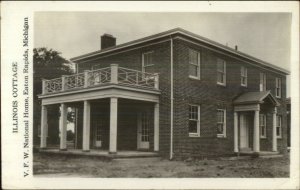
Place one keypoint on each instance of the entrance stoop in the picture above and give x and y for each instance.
(100, 154)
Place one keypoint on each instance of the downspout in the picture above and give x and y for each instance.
(172, 102)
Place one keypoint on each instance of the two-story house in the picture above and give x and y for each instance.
(175, 93)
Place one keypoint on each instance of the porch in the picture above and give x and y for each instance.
(115, 109)
(251, 111)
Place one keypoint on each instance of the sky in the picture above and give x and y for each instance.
(266, 36)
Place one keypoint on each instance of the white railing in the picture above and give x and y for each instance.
(133, 77)
(109, 75)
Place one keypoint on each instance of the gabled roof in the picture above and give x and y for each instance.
(183, 33)
(255, 98)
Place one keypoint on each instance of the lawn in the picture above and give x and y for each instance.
(62, 166)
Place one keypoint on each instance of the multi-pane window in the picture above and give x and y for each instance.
(278, 127)
(147, 61)
(221, 123)
(278, 87)
(262, 82)
(194, 120)
(221, 72)
(98, 134)
(145, 127)
(243, 76)
(262, 125)
(194, 64)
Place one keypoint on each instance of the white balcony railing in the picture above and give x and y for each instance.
(109, 75)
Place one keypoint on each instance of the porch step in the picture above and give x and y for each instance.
(101, 154)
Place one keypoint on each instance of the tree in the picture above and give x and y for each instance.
(47, 64)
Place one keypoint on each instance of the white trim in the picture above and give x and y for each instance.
(224, 124)
(198, 122)
(223, 72)
(245, 72)
(283, 73)
(143, 60)
(264, 124)
(278, 85)
(279, 125)
(105, 93)
(263, 79)
(172, 98)
(198, 65)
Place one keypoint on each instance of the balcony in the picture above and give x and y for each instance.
(89, 79)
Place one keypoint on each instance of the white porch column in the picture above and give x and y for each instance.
(86, 126)
(156, 127)
(274, 136)
(113, 125)
(63, 126)
(44, 127)
(256, 132)
(236, 148)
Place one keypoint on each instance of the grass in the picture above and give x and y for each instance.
(56, 166)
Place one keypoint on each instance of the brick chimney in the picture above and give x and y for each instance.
(107, 41)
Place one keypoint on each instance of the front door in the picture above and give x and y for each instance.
(244, 131)
(143, 130)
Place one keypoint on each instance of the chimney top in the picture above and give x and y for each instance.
(236, 48)
(107, 41)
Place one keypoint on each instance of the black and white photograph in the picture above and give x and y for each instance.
(179, 94)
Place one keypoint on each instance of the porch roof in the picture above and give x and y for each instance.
(256, 97)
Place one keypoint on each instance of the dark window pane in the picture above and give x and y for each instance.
(220, 128)
(192, 126)
(193, 70)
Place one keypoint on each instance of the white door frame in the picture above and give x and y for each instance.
(244, 131)
(143, 141)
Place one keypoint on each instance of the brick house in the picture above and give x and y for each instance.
(175, 93)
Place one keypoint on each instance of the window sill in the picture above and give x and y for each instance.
(263, 137)
(243, 85)
(193, 77)
(221, 84)
(194, 135)
(221, 136)
(278, 137)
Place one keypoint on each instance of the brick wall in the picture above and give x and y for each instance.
(210, 96)
(204, 92)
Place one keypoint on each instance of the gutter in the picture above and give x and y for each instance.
(172, 102)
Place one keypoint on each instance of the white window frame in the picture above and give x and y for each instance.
(197, 65)
(223, 135)
(278, 86)
(279, 125)
(198, 122)
(262, 82)
(244, 75)
(223, 72)
(143, 60)
(264, 124)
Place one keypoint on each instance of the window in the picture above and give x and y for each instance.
(221, 72)
(194, 64)
(147, 61)
(194, 121)
(278, 127)
(278, 87)
(243, 76)
(262, 82)
(262, 126)
(221, 123)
